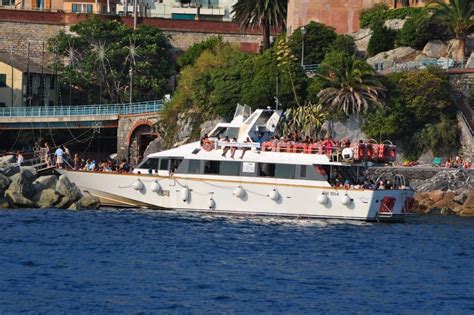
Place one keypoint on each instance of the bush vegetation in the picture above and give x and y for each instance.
(382, 39)
(381, 12)
(419, 114)
(420, 29)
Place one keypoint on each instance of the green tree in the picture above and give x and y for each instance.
(382, 39)
(96, 61)
(190, 56)
(418, 114)
(267, 14)
(343, 43)
(419, 29)
(317, 40)
(458, 17)
(353, 88)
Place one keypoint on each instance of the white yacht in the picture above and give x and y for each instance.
(261, 178)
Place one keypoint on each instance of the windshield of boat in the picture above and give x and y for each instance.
(230, 132)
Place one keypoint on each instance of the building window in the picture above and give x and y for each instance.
(2, 104)
(3, 80)
(81, 8)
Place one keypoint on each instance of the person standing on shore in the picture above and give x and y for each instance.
(19, 158)
(59, 154)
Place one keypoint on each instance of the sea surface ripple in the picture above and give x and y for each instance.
(136, 261)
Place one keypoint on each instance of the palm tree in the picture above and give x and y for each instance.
(353, 87)
(457, 16)
(266, 14)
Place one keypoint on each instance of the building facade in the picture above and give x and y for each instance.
(25, 83)
(209, 10)
(343, 15)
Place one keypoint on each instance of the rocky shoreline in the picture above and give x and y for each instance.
(439, 191)
(21, 187)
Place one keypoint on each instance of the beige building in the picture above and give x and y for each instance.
(343, 15)
(25, 83)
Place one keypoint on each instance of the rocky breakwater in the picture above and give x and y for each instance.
(438, 190)
(21, 187)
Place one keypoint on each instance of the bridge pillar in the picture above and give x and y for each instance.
(134, 132)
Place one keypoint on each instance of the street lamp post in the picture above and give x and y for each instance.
(303, 32)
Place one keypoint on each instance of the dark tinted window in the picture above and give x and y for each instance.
(174, 164)
(211, 167)
(194, 167)
(164, 164)
(266, 169)
(303, 171)
(285, 171)
(230, 168)
(151, 163)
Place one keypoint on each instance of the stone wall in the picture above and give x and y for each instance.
(20, 28)
(18, 36)
(128, 132)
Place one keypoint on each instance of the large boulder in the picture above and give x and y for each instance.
(470, 61)
(392, 57)
(68, 189)
(435, 49)
(4, 182)
(348, 129)
(22, 184)
(361, 39)
(7, 160)
(88, 202)
(4, 204)
(29, 172)
(64, 202)
(16, 199)
(47, 198)
(157, 145)
(11, 170)
(395, 24)
(453, 48)
(45, 182)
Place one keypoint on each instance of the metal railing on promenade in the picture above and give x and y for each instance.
(82, 110)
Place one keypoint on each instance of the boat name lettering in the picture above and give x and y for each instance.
(330, 193)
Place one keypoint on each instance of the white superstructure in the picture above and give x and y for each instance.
(196, 177)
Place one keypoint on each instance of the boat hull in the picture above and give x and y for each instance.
(235, 195)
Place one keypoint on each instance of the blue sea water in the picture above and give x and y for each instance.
(135, 261)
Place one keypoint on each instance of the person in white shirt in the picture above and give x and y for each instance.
(59, 153)
(19, 158)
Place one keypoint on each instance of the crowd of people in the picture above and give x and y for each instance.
(109, 165)
(458, 162)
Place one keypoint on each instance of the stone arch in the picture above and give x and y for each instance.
(138, 137)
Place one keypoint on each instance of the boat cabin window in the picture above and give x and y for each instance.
(164, 163)
(174, 164)
(285, 171)
(211, 167)
(149, 164)
(230, 168)
(230, 132)
(266, 169)
(194, 167)
(302, 171)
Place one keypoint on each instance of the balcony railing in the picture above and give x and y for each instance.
(82, 110)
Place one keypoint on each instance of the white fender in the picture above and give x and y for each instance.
(239, 192)
(274, 195)
(185, 194)
(345, 200)
(155, 187)
(322, 199)
(137, 185)
(211, 204)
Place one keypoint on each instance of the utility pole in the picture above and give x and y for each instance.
(130, 72)
(134, 14)
(13, 82)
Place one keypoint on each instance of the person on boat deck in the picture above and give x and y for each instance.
(226, 148)
(245, 149)
(59, 153)
(233, 148)
(91, 166)
(204, 138)
(328, 145)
